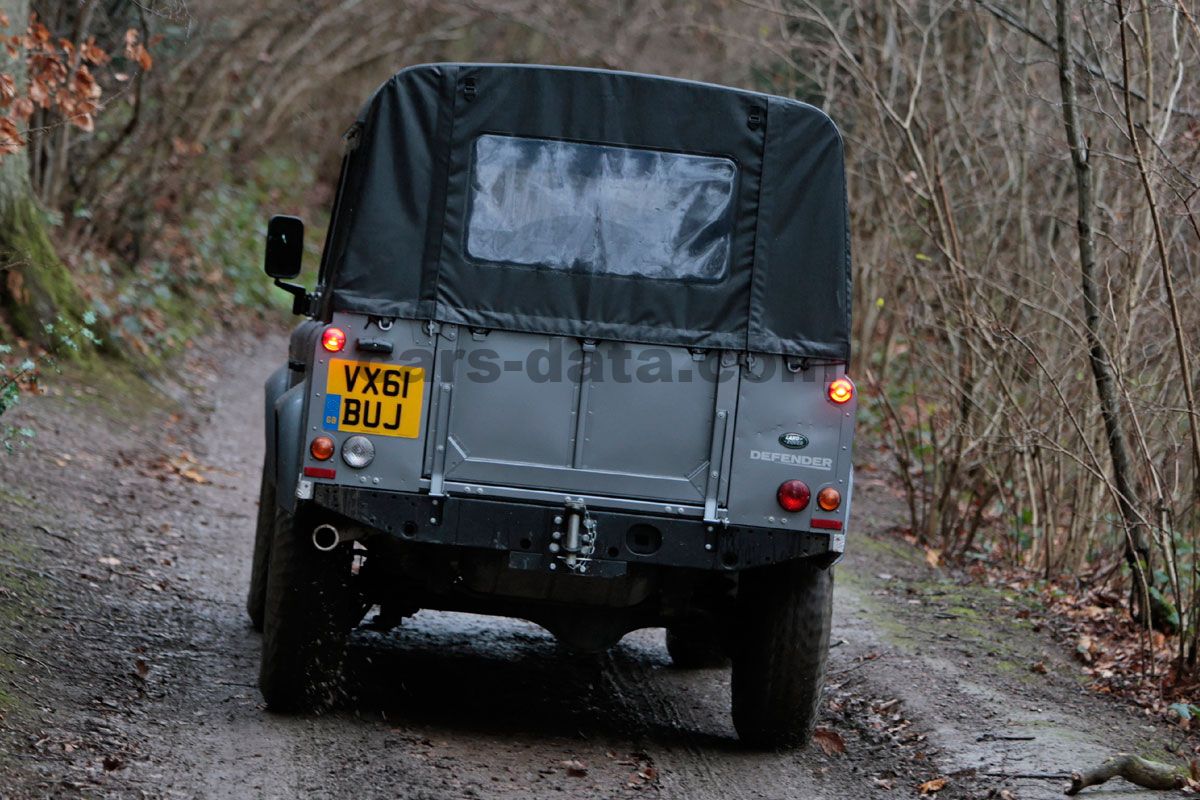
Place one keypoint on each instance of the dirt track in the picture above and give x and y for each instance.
(130, 668)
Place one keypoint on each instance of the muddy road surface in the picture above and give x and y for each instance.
(129, 668)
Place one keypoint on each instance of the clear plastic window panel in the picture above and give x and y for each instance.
(600, 209)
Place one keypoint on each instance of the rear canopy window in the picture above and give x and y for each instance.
(600, 209)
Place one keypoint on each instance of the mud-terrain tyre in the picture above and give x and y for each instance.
(690, 648)
(264, 531)
(781, 646)
(307, 617)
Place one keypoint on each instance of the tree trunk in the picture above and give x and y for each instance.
(35, 286)
(14, 168)
(1137, 551)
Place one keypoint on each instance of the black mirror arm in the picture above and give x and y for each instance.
(303, 301)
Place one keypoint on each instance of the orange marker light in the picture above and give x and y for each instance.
(321, 448)
(333, 340)
(841, 391)
(829, 498)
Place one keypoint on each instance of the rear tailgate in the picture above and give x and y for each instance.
(556, 413)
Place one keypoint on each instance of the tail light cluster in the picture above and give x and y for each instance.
(794, 495)
(357, 451)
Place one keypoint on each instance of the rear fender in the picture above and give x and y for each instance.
(276, 385)
(289, 440)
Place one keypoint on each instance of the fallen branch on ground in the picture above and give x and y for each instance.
(1140, 771)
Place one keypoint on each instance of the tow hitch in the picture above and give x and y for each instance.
(575, 548)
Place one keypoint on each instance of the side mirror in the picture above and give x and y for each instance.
(285, 247)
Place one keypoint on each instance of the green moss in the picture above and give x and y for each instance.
(43, 287)
(9, 498)
(118, 389)
(40, 289)
(888, 549)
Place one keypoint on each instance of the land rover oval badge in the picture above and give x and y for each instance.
(795, 441)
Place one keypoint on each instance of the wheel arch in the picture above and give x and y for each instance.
(287, 428)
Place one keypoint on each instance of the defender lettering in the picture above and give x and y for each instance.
(813, 462)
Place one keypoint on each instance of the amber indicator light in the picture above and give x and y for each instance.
(321, 448)
(829, 499)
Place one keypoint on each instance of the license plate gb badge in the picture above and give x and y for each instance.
(366, 397)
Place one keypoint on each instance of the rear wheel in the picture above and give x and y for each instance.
(263, 533)
(782, 643)
(307, 617)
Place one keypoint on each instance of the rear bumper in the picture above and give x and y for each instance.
(525, 531)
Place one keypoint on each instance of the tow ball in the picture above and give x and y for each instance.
(574, 547)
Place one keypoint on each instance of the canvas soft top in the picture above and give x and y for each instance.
(502, 196)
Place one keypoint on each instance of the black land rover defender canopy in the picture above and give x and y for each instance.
(595, 204)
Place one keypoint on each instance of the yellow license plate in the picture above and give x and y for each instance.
(366, 397)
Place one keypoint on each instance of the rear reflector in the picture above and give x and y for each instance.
(827, 524)
(321, 472)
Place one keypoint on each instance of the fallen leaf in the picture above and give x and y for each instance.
(109, 561)
(576, 769)
(830, 742)
(1039, 667)
(193, 476)
(933, 786)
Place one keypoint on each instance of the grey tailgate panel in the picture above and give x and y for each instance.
(510, 414)
(520, 427)
(646, 425)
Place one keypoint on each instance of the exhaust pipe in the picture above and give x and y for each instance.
(325, 537)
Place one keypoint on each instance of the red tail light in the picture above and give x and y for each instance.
(793, 495)
(333, 340)
(841, 391)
